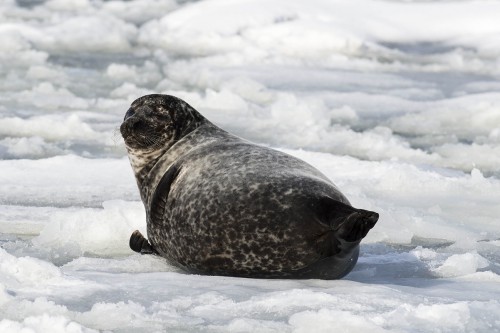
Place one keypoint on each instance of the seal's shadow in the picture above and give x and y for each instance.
(383, 263)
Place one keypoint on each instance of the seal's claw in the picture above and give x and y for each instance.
(139, 243)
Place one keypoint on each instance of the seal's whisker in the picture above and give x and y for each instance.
(149, 142)
(152, 139)
(117, 136)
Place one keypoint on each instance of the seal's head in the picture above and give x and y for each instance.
(153, 123)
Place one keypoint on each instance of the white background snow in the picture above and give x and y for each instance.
(398, 102)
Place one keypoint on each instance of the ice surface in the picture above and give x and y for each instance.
(396, 101)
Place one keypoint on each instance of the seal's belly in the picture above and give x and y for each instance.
(241, 224)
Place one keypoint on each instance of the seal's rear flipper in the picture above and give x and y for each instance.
(139, 243)
(349, 224)
(356, 226)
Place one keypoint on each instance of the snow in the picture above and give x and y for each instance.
(396, 102)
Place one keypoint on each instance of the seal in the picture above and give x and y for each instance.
(220, 205)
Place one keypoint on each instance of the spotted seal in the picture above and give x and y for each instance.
(220, 205)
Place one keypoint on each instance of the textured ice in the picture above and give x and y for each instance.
(397, 102)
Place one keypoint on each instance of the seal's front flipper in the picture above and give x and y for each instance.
(139, 243)
(356, 226)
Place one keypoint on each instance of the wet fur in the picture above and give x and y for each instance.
(217, 204)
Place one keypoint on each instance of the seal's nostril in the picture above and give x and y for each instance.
(136, 125)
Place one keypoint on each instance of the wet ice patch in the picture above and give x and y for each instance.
(17, 51)
(131, 264)
(64, 181)
(27, 271)
(43, 323)
(449, 317)
(92, 231)
(462, 264)
(148, 74)
(50, 127)
(28, 147)
(112, 316)
(139, 11)
(61, 5)
(327, 320)
(46, 96)
(67, 35)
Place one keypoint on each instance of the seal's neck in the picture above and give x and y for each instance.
(142, 162)
(151, 175)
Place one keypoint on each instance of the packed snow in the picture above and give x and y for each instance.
(397, 102)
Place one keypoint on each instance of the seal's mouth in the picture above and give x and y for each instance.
(133, 121)
(125, 128)
(128, 127)
(138, 134)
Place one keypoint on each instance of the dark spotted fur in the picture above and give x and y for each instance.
(217, 204)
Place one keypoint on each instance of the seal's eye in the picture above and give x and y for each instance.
(129, 113)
